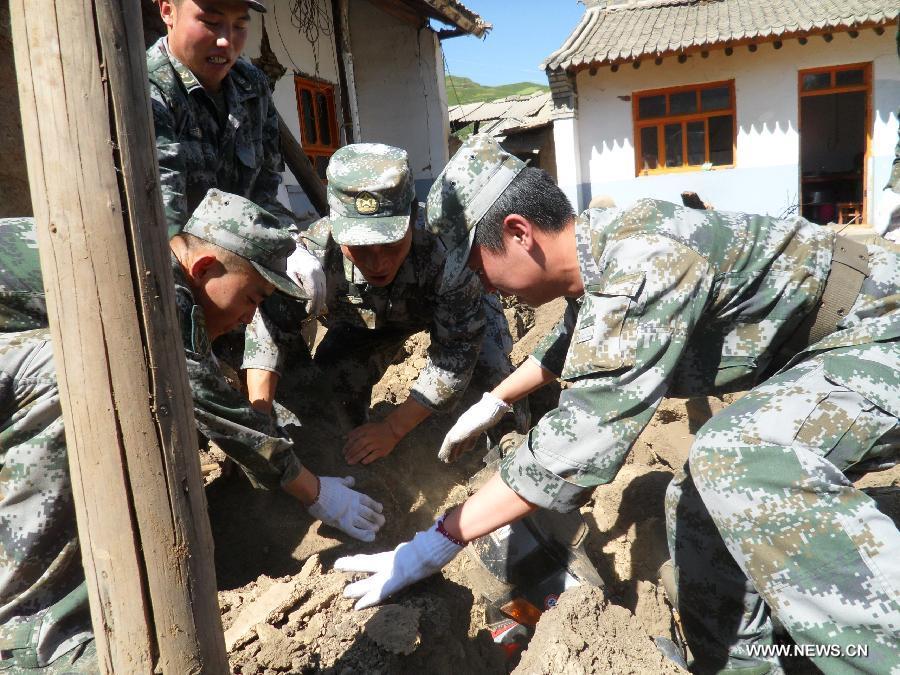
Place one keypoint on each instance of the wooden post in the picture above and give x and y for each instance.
(141, 510)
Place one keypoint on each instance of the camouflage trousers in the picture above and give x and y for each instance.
(765, 520)
(45, 623)
(353, 359)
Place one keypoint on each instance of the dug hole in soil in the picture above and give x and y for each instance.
(282, 605)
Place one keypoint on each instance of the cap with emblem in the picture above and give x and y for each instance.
(468, 186)
(371, 193)
(240, 226)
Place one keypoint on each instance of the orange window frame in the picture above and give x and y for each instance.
(834, 88)
(684, 119)
(312, 125)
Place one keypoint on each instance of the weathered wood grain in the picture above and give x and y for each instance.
(142, 523)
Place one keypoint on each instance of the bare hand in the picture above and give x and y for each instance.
(370, 442)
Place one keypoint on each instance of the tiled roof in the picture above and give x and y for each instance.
(641, 28)
(505, 115)
(456, 13)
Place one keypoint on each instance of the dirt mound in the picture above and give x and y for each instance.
(302, 623)
(585, 633)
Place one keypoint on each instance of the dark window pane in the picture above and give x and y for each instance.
(649, 148)
(324, 119)
(721, 140)
(651, 106)
(310, 137)
(717, 98)
(813, 81)
(683, 102)
(696, 142)
(844, 78)
(674, 147)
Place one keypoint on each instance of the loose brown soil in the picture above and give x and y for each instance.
(282, 606)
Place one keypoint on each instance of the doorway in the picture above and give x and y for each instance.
(834, 139)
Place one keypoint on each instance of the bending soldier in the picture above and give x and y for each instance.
(387, 278)
(667, 300)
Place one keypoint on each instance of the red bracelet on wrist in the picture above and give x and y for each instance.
(440, 528)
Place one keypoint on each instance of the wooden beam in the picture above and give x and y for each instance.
(141, 510)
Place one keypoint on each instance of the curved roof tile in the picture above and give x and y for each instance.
(651, 27)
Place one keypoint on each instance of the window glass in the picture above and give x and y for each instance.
(651, 106)
(845, 78)
(310, 136)
(721, 140)
(649, 148)
(715, 98)
(324, 118)
(813, 81)
(674, 145)
(683, 102)
(696, 142)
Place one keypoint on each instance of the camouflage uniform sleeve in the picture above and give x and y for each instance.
(315, 239)
(633, 325)
(172, 177)
(456, 332)
(550, 354)
(224, 415)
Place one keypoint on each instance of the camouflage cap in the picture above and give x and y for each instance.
(371, 193)
(240, 226)
(468, 186)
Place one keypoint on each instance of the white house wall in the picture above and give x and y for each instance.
(295, 53)
(766, 176)
(399, 87)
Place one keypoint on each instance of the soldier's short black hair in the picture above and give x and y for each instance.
(532, 194)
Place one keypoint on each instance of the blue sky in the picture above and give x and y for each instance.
(524, 33)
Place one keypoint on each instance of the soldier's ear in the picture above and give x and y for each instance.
(518, 231)
(205, 267)
(167, 12)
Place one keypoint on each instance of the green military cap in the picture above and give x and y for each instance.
(468, 186)
(370, 192)
(240, 226)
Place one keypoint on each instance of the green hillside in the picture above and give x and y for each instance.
(464, 90)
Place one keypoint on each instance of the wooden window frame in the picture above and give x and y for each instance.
(316, 87)
(865, 87)
(660, 122)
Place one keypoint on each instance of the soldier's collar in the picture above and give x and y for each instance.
(586, 243)
(235, 85)
(188, 79)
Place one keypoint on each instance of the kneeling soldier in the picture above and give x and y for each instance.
(230, 255)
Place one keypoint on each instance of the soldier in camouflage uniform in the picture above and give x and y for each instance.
(386, 281)
(217, 127)
(216, 124)
(669, 300)
(229, 256)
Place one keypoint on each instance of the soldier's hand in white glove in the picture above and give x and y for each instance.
(464, 434)
(348, 510)
(394, 570)
(305, 269)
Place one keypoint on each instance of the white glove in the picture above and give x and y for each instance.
(348, 510)
(305, 269)
(464, 434)
(393, 570)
